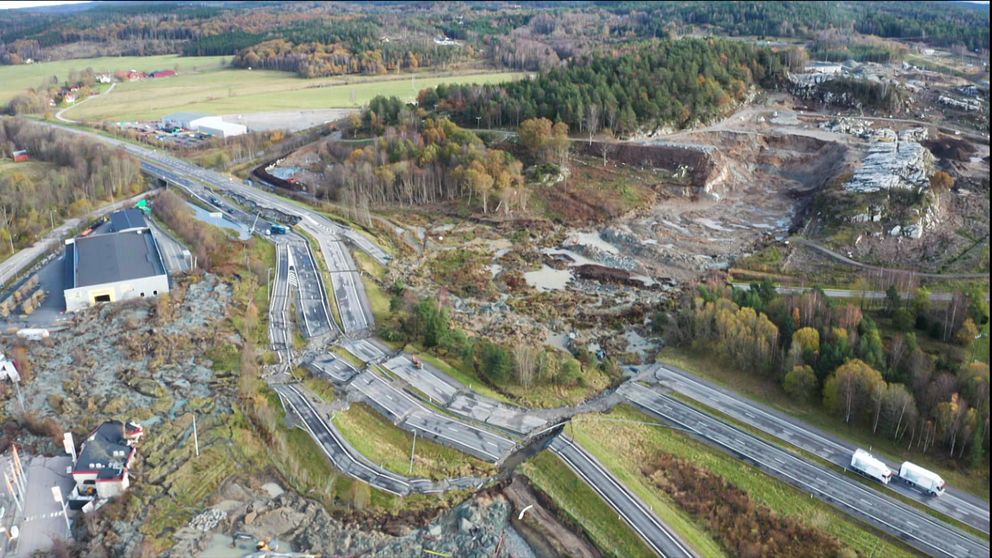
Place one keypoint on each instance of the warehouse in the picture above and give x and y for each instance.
(214, 126)
(181, 119)
(113, 267)
(127, 220)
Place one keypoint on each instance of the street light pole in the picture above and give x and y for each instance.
(57, 494)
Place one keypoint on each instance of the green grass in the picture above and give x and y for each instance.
(627, 446)
(581, 506)
(369, 265)
(233, 91)
(16, 79)
(768, 392)
(378, 298)
(382, 442)
(628, 470)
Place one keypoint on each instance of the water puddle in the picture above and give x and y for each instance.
(548, 279)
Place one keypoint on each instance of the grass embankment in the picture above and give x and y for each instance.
(17, 79)
(582, 509)
(871, 483)
(768, 392)
(382, 442)
(626, 448)
(219, 90)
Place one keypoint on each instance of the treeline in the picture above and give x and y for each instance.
(663, 84)
(937, 23)
(426, 323)
(211, 246)
(315, 59)
(419, 161)
(827, 351)
(80, 175)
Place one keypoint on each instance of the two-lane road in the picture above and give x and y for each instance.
(638, 515)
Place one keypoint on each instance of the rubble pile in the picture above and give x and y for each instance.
(208, 520)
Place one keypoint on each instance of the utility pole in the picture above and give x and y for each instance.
(196, 439)
(51, 218)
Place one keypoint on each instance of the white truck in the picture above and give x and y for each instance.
(866, 464)
(927, 481)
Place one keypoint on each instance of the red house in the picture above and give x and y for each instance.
(21, 156)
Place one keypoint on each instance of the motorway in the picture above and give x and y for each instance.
(913, 526)
(953, 503)
(353, 463)
(620, 498)
(917, 528)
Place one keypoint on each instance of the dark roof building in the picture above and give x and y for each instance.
(106, 457)
(114, 266)
(127, 219)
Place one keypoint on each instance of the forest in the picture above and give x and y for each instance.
(535, 36)
(418, 161)
(661, 84)
(903, 371)
(81, 174)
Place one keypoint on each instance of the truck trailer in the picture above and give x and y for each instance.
(866, 464)
(927, 481)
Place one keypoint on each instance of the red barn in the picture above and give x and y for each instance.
(21, 156)
(163, 73)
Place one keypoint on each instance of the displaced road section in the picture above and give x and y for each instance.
(913, 526)
(658, 536)
(353, 463)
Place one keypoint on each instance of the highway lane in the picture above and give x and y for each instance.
(280, 323)
(638, 515)
(337, 369)
(410, 415)
(913, 526)
(336, 448)
(953, 503)
(348, 293)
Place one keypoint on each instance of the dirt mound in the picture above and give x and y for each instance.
(953, 149)
(670, 157)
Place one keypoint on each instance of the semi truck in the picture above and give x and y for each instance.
(866, 464)
(927, 481)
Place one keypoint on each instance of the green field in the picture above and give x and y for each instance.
(217, 90)
(16, 79)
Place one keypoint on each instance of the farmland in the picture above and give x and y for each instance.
(16, 79)
(232, 91)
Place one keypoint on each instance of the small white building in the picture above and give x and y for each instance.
(826, 68)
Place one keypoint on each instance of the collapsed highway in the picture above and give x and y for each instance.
(867, 503)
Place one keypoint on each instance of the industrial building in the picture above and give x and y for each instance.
(115, 266)
(181, 119)
(205, 124)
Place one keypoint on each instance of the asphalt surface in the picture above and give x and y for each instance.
(953, 503)
(620, 498)
(410, 415)
(177, 259)
(353, 463)
(280, 322)
(909, 524)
